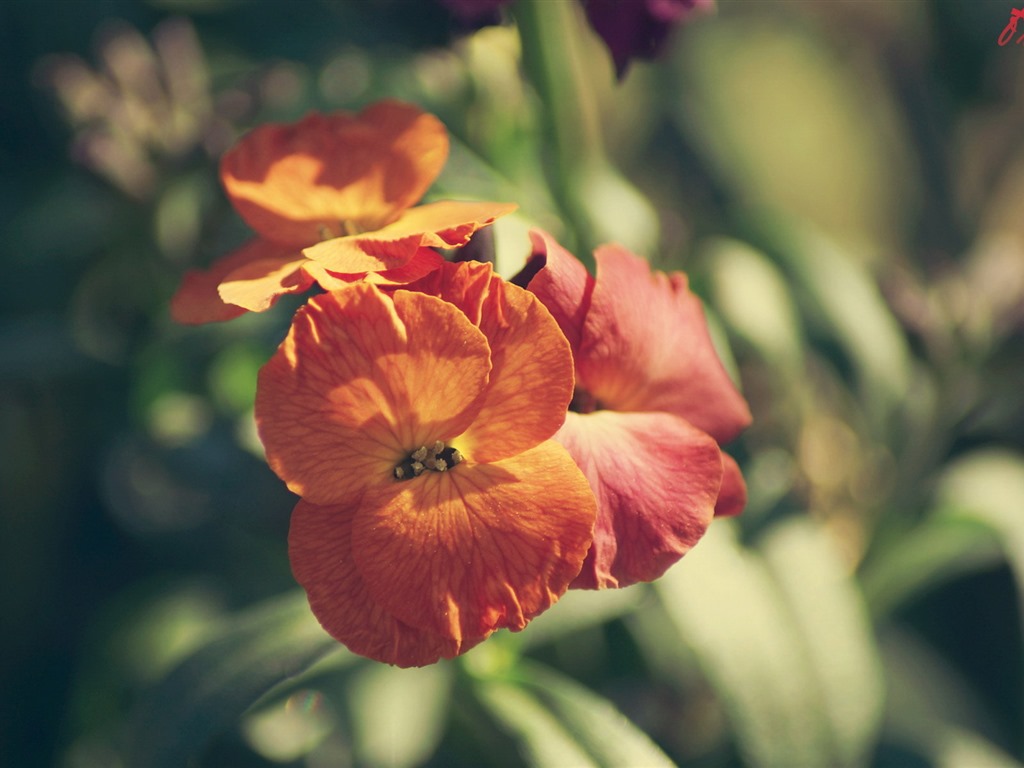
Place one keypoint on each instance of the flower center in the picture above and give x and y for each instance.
(437, 458)
(584, 402)
(343, 228)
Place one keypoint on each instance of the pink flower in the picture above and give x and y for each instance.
(653, 403)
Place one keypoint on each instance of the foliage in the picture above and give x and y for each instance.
(844, 186)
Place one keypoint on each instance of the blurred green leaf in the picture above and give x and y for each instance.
(399, 715)
(835, 630)
(211, 688)
(725, 604)
(988, 486)
(939, 550)
(542, 741)
(933, 710)
(580, 609)
(794, 124)
(840, 294)
(753, 297)
(558, 722)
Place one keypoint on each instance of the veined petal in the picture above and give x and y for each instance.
(293, 182)
(198, 301)
(361, 380)
(256, 286)
(446, 224)
(425, 261)
(561, 282)
(646, 347)
(320, 550)
(531, 380)
(732, 497)
(477, 548)
(656, 478)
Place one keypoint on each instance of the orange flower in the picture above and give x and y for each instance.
(329, 198)
(435, 509)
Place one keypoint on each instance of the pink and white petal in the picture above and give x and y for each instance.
(646, 347)
(561, 282)
(479, 547)
(656, 478)
(320, 550)
(732, 498)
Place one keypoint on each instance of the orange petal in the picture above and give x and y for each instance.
(425, 261)
(259, 284)
(656, 479)
(320, 550)
(198, 300)
(293, 182)
(477, 548)
(447, 224)
(361, 381)
(531, 366)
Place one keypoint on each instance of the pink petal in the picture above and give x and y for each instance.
(733, 496)
(646, 347)
(561, 282)
(656, 478)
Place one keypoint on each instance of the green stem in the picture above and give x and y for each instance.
(551, 47)
(596, 203)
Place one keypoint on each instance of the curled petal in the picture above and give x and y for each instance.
(477, 548)
(732, 498)
(446, 224)
(561, 282)
(423, 262)
(198, 300)
(361, 380)
(531, 380)
(656, 478)
(292, 183)
(646, 347)
(256, 286)
(320, 549)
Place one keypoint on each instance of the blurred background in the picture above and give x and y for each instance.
(844, 183)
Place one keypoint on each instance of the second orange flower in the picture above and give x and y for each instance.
(331, 201)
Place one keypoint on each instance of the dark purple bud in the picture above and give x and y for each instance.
(638, 28)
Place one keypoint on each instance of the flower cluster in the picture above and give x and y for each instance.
(465, 448)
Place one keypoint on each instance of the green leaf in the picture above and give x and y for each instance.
(836, 633)
(580, 609)
(933, 710)
(724, 603)
(754, 299)
(843, 296)
(542, 741)
(559, 722)
(399, 714)
(988, 486)
(211, 688)
(938, 550)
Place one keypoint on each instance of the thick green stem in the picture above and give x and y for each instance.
(597, 203)
(550, 32)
